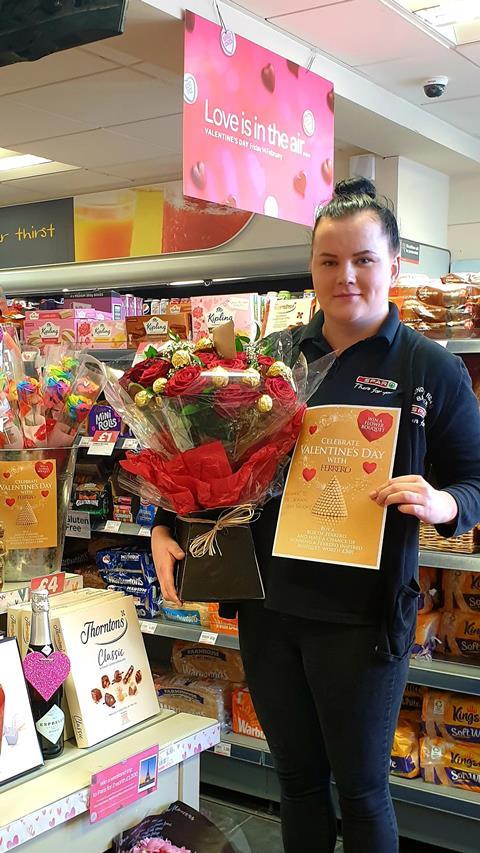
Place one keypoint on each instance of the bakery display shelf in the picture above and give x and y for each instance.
(449, 560)
(462, 345)
(123, 528)
(193, 633)
(445, 675)
(58, 792)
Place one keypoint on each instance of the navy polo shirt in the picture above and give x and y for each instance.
(439, 436)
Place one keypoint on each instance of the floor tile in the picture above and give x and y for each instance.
(225, 817)
(257, 835)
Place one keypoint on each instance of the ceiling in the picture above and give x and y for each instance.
(113, 109)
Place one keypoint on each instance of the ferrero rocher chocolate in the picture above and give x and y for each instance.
(142, 399)
(159, 385)
(134, 388)
(251, 377)
(264, 404)
(278, 368)
(181, 358)
(219, 377)
(203, 345)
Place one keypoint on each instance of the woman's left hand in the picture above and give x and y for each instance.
(414, 496)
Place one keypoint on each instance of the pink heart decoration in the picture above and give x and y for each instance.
(46, 674)
(308, 474)
(59, 810)
(70, 814)
(300, 183)
(51, 822)
(13, 842)
(369, 467)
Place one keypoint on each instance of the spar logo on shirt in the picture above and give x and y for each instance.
(374, 385)
(421, 403)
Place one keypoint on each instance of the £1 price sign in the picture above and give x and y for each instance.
(103, 443)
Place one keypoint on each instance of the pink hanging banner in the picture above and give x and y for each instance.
(257, 128)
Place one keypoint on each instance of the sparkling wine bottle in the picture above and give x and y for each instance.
(47, 714)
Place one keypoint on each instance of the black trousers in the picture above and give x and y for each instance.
(328, 706)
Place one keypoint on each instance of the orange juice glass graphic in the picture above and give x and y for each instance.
(103, 224)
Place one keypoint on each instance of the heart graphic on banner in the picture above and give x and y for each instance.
(7, 475)
(373, 426)
(309, 473)
(300, 183)
(43, 469)
(312, 429)
(46, 675)
(369, 467)
(198, 175)
(10, 501)
(268, 77)
(45, 494)
(293, 67)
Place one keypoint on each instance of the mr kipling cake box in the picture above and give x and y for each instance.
(110, 686)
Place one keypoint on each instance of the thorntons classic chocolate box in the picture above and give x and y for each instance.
(110, 686)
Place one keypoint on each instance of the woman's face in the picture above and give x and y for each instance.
(353, 269)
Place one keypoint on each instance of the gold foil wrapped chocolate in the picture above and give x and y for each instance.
(159, 385)
(181, 358)
(278, 368)
(204, 345)
(142, 399)
(219, 376)
(134, 388)
(264, 404)
(251, 377)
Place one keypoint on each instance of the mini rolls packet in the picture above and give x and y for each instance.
(452, 716)
(450, 763)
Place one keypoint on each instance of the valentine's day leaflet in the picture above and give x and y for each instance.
(342, 454)
(124, 783)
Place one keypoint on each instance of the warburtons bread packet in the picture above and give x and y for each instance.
(195, 659)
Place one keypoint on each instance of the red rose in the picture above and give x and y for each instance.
(185, 381)
(265, 361)
(237, 363)
(230, 400)
(145, 372)
(197, 312)
(281, 391)
(209, 359)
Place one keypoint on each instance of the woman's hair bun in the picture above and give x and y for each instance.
(355, 187)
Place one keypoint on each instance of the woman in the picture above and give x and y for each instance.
(326, 655)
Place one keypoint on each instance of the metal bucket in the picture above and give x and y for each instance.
(25, 563)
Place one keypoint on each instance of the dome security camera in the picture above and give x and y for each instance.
(435, 87)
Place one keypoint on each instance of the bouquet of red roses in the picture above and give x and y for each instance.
(217, 420)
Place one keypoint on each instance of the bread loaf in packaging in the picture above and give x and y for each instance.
(427, 579)
(461, 590)
(198, 660)
(404, 760)
(427, 633)
(450, 763)
(220, 625)
(412, 702)
(244, 718)
(204, 697)
(452, 716)
(192, 613)
(460, 635)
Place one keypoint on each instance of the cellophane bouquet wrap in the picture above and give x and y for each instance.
(216, 430)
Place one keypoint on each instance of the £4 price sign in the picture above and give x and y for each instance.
(52, 583)
(103, 443)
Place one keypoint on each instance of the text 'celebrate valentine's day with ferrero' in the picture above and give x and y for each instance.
(343, 453)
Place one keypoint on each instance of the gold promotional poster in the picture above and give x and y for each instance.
(28, 497)
(342, 454)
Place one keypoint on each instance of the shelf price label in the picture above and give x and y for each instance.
(223, 749)
(52, 583)
(148, 627)
(103, 443)
(130, 444)
(144, 531)
(112, 526)
(208, 638)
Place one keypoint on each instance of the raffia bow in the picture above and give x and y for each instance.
(206, 543)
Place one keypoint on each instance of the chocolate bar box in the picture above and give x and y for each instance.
(110, 686)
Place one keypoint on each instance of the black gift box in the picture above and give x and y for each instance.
(231, 574)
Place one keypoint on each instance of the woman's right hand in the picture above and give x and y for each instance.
(165, 553)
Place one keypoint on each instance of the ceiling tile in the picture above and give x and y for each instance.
(464, 113)
(60, 66)
(105, 99)
(32, 172)
(161, 168)
(270, 8)
(70, 183)
(471, 51)
(405, 77)
(93, 149)
(145, 36)
(20, 124)
(165, 132)
(357, 32)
